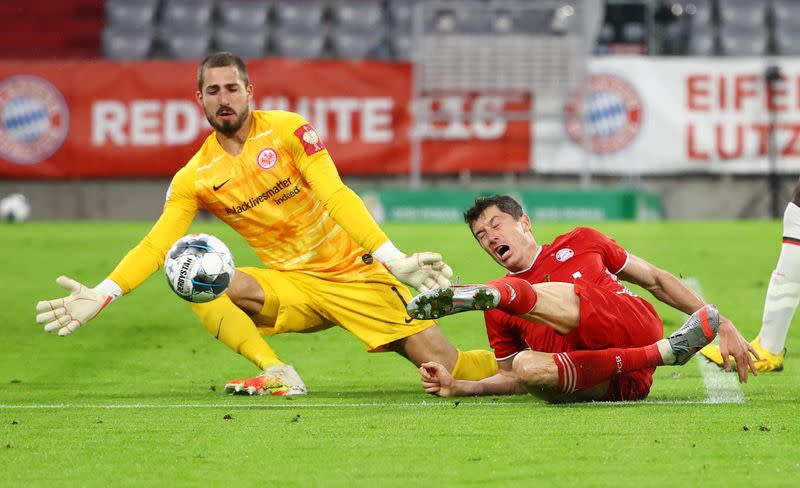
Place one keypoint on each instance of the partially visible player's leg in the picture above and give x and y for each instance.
(554, 304)
(374, 310)
(229, 319)
(431, 345)
(543, 377)
(585, 375)
(783, 296)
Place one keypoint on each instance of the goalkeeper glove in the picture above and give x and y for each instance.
(81, 305)
(423, 271)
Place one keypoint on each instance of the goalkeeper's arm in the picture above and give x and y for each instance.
(83, 304)
(422, 271)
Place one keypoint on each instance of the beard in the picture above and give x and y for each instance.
(228, 127)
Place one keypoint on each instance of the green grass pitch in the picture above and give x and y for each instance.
(135, 397)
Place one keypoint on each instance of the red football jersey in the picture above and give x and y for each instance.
(592, 258)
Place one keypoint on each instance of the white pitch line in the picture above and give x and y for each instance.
(288, 405)
(721, 387)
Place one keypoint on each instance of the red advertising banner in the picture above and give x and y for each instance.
(141, 119)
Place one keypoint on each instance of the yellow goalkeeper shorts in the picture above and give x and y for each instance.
(372, 309)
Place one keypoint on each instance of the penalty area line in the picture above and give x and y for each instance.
(721, 387)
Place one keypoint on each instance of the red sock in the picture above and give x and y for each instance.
(517, 296)
(579, 370)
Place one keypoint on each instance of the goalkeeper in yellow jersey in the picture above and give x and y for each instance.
(327, 263)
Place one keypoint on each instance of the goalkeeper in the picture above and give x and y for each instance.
(327, 263)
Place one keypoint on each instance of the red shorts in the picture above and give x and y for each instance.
(607, 320)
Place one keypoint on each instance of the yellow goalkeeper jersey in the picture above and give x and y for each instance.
(282, 193)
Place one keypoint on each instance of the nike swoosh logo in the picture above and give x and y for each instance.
(408, 320)
(217, 187)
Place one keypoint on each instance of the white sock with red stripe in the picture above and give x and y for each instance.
(783, 293)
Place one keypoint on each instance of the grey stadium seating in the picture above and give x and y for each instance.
(247, 42)
(751, 13)
(127, 43)
(743, 40)
(701, 41)
(187, 13)
(358, 16)
(245, 14)
(131, 13)
(291, 44)
(357, 45)
(300, 15)
(185, 42)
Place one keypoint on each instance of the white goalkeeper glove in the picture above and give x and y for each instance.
(81, 305)
(423, 270)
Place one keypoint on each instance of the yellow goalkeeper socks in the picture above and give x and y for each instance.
(474, 365)
(229, 324)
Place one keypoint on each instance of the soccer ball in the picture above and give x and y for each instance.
(199, 267)
(15, 208)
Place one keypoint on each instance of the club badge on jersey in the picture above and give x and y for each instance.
(310, 139)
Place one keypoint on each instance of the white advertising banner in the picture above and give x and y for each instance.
(681, 115)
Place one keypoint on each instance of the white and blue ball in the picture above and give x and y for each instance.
(199, 267)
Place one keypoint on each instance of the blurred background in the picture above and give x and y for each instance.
(585, 110)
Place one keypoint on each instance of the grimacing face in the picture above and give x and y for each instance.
(509, 242)
(225, 99)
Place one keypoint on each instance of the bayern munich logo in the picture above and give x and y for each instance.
(267, 158)
(564, 254)
(34, 119)
(608, 119)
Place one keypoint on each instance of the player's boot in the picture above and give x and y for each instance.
(769, 361)
(453, 299)
(276, 380)
(697, 332)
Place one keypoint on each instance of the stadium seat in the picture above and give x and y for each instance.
(440, 21)
(401, 47)
(131, 13)
(701, 41)
(523, 21)
(244, 14)
(126, 43)
(401, 13)
(358, 16)
(743, 40)
(786, 13)
(634, 32)
(357, 45)
(185, 42)
(187, 13)
(787, 39)
(699, 12)
(246, 42)
(307, 45)
(300, 15)
(743, 12)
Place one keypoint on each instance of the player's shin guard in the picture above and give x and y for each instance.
(579, 370)
(474, 365)
(517, 296)
(229, 324)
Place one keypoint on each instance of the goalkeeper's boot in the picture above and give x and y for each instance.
(769, 360)
(453, 299)
(276, 380)
(696, 333)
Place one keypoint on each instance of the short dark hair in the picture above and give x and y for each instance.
(505, 203)
(219, 60)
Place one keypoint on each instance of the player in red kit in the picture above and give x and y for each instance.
(562, 325)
